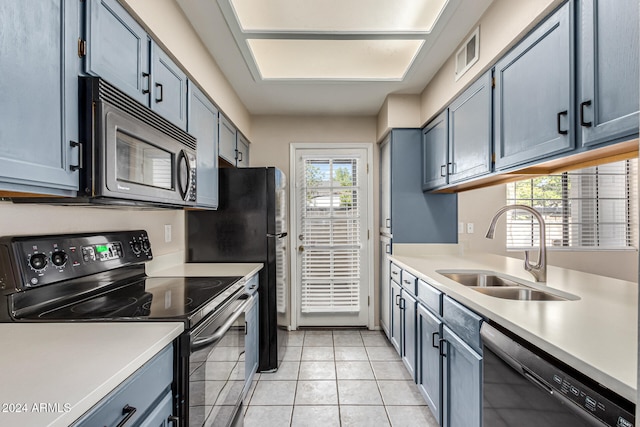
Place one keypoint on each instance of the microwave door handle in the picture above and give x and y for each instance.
(219, 333)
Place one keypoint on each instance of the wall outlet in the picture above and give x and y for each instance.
(470, 227)
(461, 227)
(167, 233)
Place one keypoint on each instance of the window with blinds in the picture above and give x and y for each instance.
(591, 208)
(331, 235)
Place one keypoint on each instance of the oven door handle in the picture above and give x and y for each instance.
(219, 333)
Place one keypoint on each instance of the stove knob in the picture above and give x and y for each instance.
(146, 246)
(38, 261)
(59, 258)
(135, 246)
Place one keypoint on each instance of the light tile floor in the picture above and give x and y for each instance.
(337, 378)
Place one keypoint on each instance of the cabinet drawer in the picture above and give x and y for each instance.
(139, 391)
(430, 297)
(409, 282)
(463, 322)
(395, 273)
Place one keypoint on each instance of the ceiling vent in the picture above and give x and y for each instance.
(468, 54)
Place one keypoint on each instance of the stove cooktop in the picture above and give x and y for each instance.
(151, 298)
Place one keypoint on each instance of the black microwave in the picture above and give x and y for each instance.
(130, 154)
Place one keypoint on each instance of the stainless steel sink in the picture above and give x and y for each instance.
(502, 286)
(520, 293)
(481, 279)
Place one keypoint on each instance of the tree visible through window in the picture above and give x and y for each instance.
(595, 207)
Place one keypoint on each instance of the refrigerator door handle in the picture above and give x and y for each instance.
(279, 235)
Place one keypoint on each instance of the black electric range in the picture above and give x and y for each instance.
(100, 277)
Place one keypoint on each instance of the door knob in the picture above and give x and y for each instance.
(300, 248)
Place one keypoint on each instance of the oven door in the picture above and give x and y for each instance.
(217, 367)
(142, 163)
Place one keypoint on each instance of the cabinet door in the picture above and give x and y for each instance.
(242, 151)
(462, 383)
(385, 271)
(396, 330)
(251, 343)
(203, 124)
(608, 70)
(470, 131)
(435, 160)
(408, 335)
(533, 98)
(428, 365)
(159, 416)
(39, 87)
(117, 48)
(385, 186)
(227, 138)
(169, 88)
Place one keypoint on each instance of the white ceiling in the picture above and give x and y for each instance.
(400, 54)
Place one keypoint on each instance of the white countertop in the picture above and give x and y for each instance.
(70, 366)
(172, 265)
(207, 270)
(596, 334)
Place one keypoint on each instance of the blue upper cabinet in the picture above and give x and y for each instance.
(120, 51)
(39, 87)
(242, 151)
(435, 154)
(118, 48)
(608, 72)
(470, 132)
(417, 217)
(533, 99)
(168, 88)
(227, 138)
(203, 124)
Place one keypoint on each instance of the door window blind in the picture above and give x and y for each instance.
(331, 235)
(595, 207)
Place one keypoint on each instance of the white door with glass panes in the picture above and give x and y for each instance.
(332, 250)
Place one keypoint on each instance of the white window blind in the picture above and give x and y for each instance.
(595, 207)
(331, 235)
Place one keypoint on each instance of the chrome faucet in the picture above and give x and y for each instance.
(538, 270)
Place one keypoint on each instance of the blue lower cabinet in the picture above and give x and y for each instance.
(145, 398)
(159, 417)
(408, 334)
(251, 343)
(462, 382)
(429, 365)
(396, 314)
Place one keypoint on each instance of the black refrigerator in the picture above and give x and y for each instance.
(250, 225)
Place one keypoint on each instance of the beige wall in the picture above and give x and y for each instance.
(34, 219)
(273, 135)
(398, 111)
(166, 21)
(504, 22)
(479, 206)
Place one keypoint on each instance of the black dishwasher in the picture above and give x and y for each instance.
(523, 386)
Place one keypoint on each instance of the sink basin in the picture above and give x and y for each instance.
(506, 287)
(481, 279)
(520, 293)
